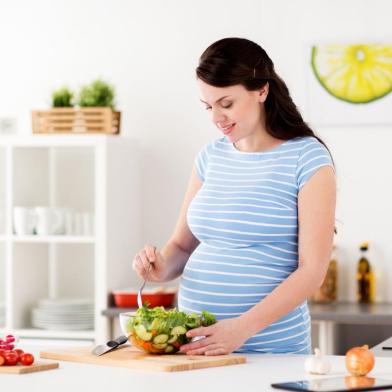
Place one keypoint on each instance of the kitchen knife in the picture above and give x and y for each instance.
(109, 346)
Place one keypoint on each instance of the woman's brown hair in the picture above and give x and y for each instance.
(232, 61)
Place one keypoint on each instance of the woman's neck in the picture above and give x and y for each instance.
(257, 142)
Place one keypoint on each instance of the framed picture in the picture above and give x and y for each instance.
(350, 84)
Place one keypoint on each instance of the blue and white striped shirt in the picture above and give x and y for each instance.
(246, 218)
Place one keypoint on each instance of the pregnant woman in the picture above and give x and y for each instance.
(254, 235)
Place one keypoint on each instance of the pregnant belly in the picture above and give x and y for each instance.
(226, 287)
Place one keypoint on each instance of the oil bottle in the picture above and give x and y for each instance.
(365, 277)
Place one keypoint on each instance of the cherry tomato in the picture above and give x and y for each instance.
(11, 358)
(2, 352)
(176, 344)
(26, 359)
(19, 352)
(2, 360)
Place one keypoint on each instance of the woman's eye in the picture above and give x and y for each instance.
(224, 107)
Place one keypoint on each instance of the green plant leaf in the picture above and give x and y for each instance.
(62, 98)
(97, 94)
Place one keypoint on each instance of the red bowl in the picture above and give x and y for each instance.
(129, 300)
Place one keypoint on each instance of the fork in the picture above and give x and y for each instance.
(139, 294)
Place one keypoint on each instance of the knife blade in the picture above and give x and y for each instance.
(109, 346)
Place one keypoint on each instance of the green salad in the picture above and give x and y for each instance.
(160, 331)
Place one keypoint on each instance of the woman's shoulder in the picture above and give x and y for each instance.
(307, 144)
(312, 156)
(304, 141)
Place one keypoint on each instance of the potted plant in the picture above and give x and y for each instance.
(94, 112)
(97, 94)
(62, 98)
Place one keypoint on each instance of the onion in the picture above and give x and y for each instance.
(359, 360)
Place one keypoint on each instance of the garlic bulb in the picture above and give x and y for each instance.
(317, 364)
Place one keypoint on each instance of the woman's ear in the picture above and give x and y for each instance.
(263, 93)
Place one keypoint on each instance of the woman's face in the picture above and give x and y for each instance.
(237, 112)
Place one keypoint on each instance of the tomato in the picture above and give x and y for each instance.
(2, 352)
(11, 358)
(2, 360)
(19, 352)
(10, 338)
(26, 359)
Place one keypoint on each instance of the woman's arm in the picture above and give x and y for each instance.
(316, 219)
(182, 243)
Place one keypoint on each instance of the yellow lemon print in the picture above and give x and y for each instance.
(354, 73)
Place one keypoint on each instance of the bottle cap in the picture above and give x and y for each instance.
(364, 246)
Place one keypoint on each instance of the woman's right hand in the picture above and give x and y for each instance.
(149, 254)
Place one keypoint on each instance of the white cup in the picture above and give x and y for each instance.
(66, 215)
(69, 221)
(49, 220)
(87, 224)
(24, 221)
(78, 224)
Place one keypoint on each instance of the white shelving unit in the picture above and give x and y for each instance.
(98, 174)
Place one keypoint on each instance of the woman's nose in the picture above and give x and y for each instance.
(217, 116)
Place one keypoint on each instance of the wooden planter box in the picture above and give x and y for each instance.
(70, 120)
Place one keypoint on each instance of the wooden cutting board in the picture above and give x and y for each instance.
(131, 357)
(35, 367)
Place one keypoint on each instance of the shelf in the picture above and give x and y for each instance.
(53, 238)
(85, 174)
(50, 334)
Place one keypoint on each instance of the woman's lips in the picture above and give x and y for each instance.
(226, 131)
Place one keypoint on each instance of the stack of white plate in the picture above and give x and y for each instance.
(63, 314)
(2, 313)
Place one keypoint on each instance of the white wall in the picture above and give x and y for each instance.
(149, 50)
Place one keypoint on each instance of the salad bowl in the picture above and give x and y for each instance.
(159, 331)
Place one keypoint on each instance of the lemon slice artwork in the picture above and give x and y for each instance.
(354, 73)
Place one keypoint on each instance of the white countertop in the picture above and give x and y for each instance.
(255, 375)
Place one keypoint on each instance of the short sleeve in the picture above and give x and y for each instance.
(201, 162)
(313, 156)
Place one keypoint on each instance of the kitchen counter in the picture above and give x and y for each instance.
(352, 313)
(255, 375)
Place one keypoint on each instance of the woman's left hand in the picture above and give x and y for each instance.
(223, 337)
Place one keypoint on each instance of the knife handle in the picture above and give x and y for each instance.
(121, 340)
